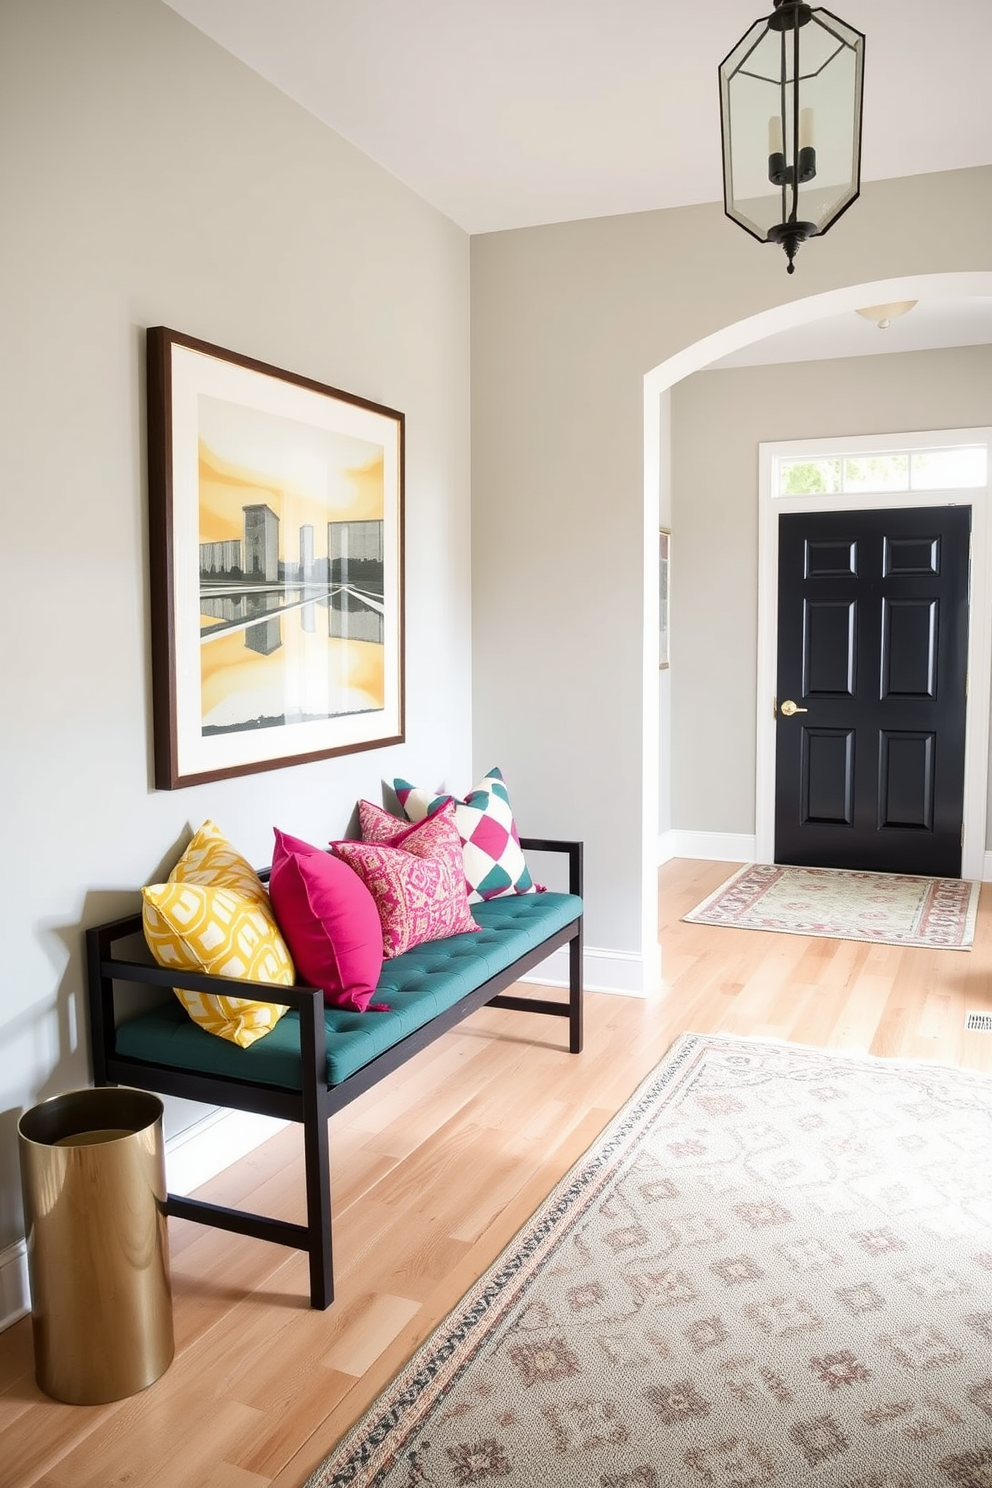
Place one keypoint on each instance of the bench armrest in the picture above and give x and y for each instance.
(553, 844)
(105, 969)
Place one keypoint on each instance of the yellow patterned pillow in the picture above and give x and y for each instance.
(212, 861)
(214, 916)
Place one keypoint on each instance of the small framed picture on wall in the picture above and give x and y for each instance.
(664, 601)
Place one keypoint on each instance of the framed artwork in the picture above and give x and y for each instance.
(664, 604)
(276, 547)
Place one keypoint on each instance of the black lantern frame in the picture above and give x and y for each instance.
(799, 74)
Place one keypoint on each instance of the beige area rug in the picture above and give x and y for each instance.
(844, 904)
(774, 1268)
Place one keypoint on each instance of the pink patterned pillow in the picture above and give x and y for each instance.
(441, 841)
(416, 879)
(382, 826)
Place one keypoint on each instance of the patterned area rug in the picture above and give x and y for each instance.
(889, 908)
(775, 1268)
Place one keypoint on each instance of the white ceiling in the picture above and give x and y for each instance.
(511, 113)
(929, 325)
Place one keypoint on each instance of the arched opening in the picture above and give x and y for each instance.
(657, 384)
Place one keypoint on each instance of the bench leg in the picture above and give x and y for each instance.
(575, 993)
(318, 1180)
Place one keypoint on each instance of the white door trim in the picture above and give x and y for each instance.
(976, 753)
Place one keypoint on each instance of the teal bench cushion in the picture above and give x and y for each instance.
(417, 986)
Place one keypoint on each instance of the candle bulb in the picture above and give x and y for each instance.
(775, 134)
(807, 137)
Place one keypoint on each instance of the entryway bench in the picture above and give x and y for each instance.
(318, 1058)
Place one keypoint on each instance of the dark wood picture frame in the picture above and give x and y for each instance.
(276, 565)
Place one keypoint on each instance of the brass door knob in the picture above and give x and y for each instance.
(788, 708)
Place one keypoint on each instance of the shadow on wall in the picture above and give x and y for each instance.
(62, 1050)
(10, 1183)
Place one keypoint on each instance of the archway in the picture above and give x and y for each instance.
(657, 383)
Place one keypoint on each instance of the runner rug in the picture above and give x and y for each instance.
(888, 908)
(774, 1268)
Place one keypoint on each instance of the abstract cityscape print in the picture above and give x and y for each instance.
(291, 567)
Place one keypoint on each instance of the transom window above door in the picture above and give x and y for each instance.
(882, 472)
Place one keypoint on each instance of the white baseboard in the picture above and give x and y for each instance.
(621, 972)
(720, 847)
(15, 1298)
(733, 847)
(205, 1149)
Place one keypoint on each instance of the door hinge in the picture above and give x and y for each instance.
(962, 834)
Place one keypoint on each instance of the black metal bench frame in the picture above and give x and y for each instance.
(316, 1102)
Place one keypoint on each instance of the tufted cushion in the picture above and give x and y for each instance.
(329, 919)
(493, 858)
(416, 880)
(417, 986)
(213, 915)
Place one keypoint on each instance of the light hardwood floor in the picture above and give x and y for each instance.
(433, 1173)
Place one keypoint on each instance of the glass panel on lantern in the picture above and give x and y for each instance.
(829, 126)
(750, 97)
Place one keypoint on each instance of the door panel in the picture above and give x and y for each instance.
(873, 627)
(830, 656)
(909, 648)
(826, 560)
(906, 783)
(828, 776)
(911, 555)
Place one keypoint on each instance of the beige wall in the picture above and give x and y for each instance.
(718, 420)
(566, 322)
(148, 178)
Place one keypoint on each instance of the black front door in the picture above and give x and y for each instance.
(872, 657)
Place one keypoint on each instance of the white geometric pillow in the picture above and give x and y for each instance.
(494, 860)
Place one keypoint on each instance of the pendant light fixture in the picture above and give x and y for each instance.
(790, 118)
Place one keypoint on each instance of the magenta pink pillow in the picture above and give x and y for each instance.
(329, 920)
(417, 879)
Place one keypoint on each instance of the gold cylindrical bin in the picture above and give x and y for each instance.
(93, 1177)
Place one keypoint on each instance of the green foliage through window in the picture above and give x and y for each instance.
(955, 467)
(809, 477)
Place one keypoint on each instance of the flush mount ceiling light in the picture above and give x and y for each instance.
(884, 315)
(790, 119)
